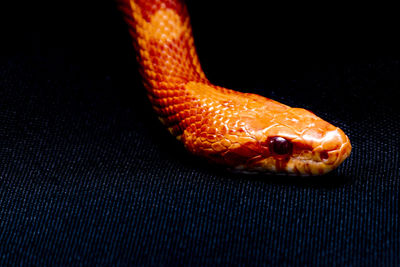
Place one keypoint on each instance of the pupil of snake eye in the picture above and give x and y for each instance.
(280, 145)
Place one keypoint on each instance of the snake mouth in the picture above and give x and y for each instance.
(320, 163)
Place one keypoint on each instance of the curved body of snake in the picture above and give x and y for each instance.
(243, 131)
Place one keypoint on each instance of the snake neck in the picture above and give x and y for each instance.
(167, 56)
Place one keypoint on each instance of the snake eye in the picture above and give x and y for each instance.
(280, 145)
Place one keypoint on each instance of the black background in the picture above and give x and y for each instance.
(89, 176)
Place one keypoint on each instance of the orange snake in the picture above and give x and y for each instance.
(243, 131)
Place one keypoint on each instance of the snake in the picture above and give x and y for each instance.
(244, 132)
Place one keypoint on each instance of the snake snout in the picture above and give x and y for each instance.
(323, 151)
(334, 149)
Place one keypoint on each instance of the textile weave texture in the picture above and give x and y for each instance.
(89, 176)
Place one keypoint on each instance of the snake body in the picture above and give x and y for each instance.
(243, 131)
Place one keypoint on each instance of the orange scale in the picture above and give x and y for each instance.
(218, 147)
(212, 130)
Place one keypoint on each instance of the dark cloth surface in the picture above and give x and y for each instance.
(89, 175)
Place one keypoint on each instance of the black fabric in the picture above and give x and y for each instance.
(89, 176)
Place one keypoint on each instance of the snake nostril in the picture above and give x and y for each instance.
(324, 155)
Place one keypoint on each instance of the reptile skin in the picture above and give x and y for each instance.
(243, 131)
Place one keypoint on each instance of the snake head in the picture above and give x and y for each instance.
(297, 142)
(251, 133)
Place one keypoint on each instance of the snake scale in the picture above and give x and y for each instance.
(245, 132)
